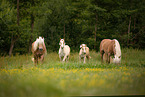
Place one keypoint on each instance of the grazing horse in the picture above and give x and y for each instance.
(110, 48)
(38, 50)
(84, 52)
(64, 50)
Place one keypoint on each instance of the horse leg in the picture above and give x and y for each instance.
(85, 59)
(64, 58)
(42, 58)
(88, 57)
(60, 58)
(67, 58)
(80, 58)
(101, 54)
(105, 56)
(108, 58)
(36, 60)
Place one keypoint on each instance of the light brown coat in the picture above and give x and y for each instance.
(84, 53)
(107, 46)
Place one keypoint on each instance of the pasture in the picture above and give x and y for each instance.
(20, 78)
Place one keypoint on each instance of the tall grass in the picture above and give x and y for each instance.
(19, 76)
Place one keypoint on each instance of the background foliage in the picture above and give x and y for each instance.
(78, 21)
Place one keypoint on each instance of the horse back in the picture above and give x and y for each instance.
(104, 43)
(67, 49)
(107, 45)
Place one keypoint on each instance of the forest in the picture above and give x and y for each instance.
(77, 21)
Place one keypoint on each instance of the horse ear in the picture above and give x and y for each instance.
(37, 39)
(85, 45)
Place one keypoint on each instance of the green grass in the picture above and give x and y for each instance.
(20, 78)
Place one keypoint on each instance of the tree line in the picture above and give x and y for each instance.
(78, 21)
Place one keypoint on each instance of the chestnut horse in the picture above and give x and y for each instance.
(38, 50)
(110, 48)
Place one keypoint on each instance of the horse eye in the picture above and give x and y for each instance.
(119, 57)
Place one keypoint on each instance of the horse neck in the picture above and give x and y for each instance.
(62, 48)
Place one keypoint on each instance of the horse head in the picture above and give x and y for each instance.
(62, 43)
(39, 44)
(83, 47)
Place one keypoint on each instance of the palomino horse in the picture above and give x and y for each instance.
(84, 52)
(110, 48)
(38, 50)
(64, 50)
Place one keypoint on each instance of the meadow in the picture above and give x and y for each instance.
(20, 78)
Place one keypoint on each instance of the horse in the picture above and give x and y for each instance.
(84, 52)
(64, 51)
(38, 50)
(110, 48)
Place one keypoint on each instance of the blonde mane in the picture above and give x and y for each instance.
(117, 56)
(38, 41)
(117, 48)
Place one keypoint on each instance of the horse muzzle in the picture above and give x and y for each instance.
(41, 49)
(116, 60)
(84, 52)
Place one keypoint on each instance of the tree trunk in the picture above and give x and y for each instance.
(134, 22)
(128, 31)
(11, 48)
(64, 32)
(18, 12)
(95, 31)
(31, 37)
(13, 40)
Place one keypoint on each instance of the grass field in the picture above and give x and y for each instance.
(20, 78)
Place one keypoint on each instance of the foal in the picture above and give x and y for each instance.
(84, 52)
(64, 51)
